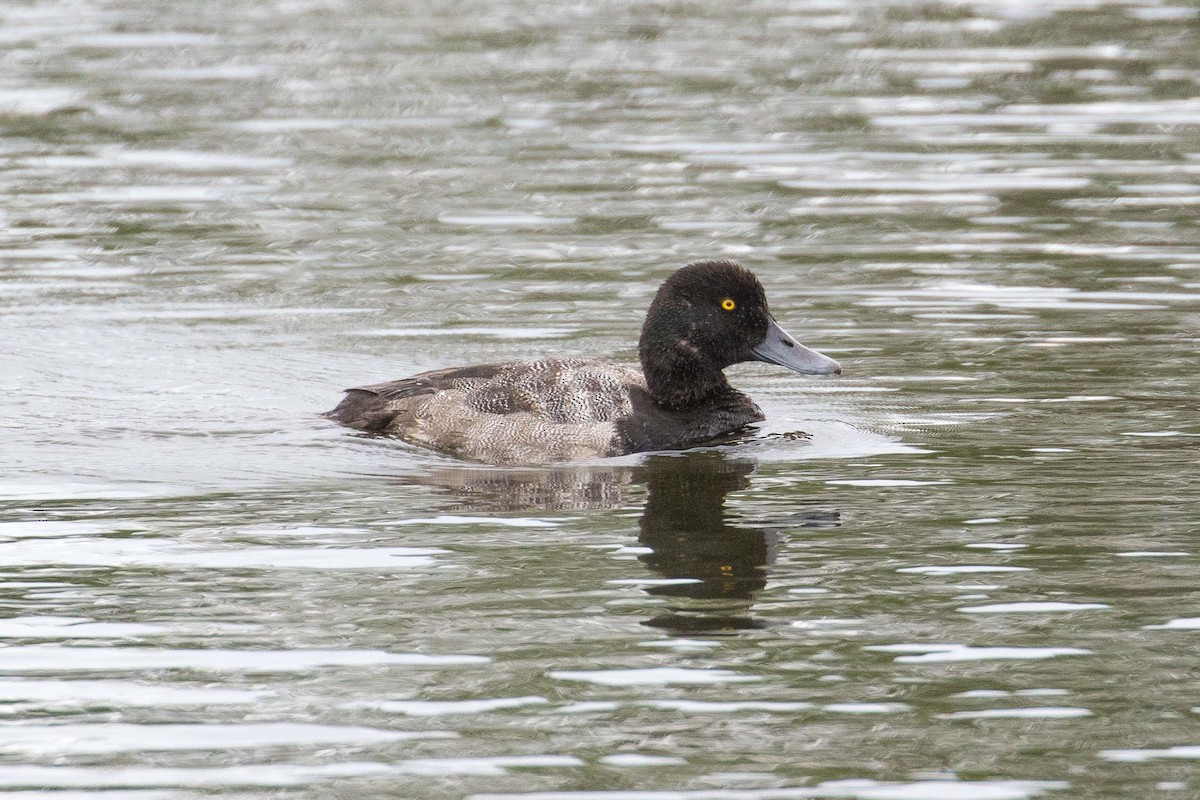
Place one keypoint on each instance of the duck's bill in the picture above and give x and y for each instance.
(780, 348)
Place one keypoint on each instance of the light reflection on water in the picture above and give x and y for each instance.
(962, 570)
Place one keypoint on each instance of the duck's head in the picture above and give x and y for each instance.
(705, 317)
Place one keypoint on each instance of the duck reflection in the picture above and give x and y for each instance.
(715, 565)
(498, 489)
(685, 528)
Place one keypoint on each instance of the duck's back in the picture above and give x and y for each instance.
(512, 413)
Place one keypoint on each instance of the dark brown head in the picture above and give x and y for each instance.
(705, 317)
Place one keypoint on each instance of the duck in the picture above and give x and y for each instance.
(706, 316)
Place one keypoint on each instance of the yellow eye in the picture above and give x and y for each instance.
(728, 304)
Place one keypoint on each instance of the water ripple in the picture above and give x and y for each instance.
(48, 658)
(122, 738)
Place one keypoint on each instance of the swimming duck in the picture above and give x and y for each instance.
(705, 317)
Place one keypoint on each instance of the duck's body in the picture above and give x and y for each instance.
(705, 317)
(536, 412)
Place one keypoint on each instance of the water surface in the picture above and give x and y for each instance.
(965, 569)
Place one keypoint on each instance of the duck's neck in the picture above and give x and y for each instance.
(679, 379)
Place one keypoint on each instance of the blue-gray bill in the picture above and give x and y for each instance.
(780, 348)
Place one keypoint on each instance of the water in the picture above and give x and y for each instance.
(965, 569)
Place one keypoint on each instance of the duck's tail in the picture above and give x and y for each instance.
(363, 409)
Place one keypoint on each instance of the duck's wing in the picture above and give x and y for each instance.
(512, 413)
(373, 408)
(533, 412)
(432, 382)
(563, 391)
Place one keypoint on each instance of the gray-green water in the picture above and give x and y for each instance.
(975, 577)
